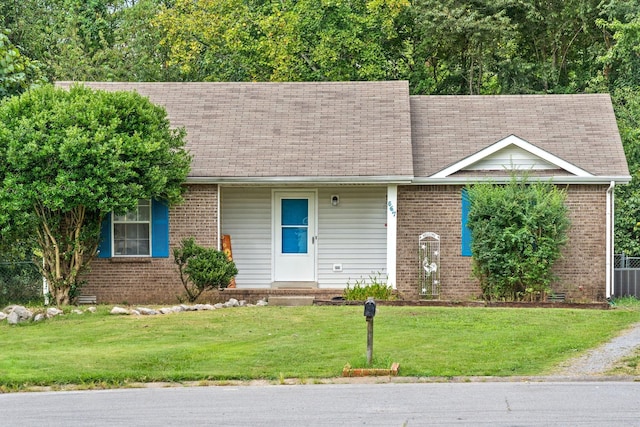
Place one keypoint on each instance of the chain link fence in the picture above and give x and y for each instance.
(625, 261)
(20, 283)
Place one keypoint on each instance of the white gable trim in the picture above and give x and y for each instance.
(518, 142)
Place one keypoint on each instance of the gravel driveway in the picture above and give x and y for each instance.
(602, 359)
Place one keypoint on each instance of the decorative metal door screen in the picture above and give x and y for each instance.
(429, 256)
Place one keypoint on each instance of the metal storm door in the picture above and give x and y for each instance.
(295, 239)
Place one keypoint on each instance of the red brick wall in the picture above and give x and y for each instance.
(155, 280)
(581, 271)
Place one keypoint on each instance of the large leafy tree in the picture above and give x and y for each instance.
(308, 40)
(91, 39)
(212, 39)
(457, 44)
(627, 231)
(17, 72)
(335, 41)
(621, 77)
(71, 157)
(556, 46)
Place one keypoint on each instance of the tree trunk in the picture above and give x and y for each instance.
(68, 243)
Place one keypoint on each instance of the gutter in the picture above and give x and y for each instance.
(398, 179)
(609, 242)
(622, 179)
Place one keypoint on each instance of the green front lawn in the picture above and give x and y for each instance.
(302, 342)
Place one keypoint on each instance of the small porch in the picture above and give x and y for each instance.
(308, 239)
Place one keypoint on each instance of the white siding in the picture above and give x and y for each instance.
(353, 234)
(246, 217)
(511, 157)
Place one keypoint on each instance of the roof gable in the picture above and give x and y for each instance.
(578, 130)
(512, 153)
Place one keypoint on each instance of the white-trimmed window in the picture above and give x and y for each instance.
(132, 231)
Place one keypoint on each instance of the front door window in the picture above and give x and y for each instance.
(295, 226)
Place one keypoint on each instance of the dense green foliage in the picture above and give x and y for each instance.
(439, 46)
(202, 268)
(72, 156)
(17, 72)
(518, 230)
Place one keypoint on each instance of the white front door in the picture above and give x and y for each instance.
(294, 227)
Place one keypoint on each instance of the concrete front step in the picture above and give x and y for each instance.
(290, 300)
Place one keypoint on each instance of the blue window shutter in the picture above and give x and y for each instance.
(104, 248)
(466, 232)
(159, 229)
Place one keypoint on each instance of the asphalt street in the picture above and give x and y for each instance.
(576, 403)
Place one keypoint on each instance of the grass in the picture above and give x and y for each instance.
(297, 342)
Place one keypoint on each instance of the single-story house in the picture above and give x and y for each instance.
(320, 185)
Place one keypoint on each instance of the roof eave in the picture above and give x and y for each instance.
(278, 180)
(601, 179)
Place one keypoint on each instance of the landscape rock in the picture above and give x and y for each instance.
(15, 314)
(232, 303)
(8, 309)
(119, 310)
(19, 314)
(201, 307)
(53, 311)
(12, 319)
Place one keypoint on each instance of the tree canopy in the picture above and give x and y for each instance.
(439, 46)
(71, 157)
(17, 72)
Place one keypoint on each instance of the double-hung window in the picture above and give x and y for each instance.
(132, 231)
(142, 232)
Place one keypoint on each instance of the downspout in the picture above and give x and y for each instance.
(609, 242)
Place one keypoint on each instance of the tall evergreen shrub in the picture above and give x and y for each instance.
(518, 231)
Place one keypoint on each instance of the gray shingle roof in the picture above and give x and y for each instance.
(580, 129)
(372, 131)
(337, 130)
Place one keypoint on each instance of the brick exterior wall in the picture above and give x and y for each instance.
(581, 271)
(155, 280)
